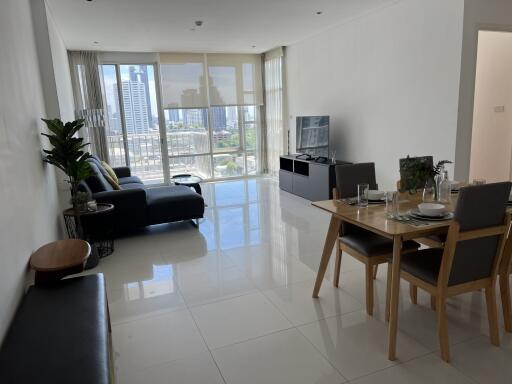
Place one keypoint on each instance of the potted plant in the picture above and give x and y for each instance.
(417, 172)
(67, 154)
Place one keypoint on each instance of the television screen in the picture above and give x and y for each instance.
(313, 135)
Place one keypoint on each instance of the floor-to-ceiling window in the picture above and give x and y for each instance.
(133, 132)
(209, 106)
(212, 108)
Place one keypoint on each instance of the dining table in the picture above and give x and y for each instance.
(374, 218)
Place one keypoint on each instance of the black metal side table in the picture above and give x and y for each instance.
(89, 226)
(189, 181)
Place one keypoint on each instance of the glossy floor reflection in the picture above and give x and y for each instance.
(230, 302)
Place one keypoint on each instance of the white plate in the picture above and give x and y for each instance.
(416, 214)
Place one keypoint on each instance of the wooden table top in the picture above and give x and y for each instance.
(374, 217)
(61, 254)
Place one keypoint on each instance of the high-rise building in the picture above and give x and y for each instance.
(173, 115)
(141, 75)
(135, 107)
(218, 118)
(195, 118)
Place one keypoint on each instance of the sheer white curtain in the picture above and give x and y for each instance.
(88, 95)
(274, 109)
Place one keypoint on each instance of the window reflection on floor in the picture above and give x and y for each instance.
(161, 284)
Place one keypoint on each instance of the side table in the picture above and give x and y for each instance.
(82, 225)
(189, 181)
(58, 259)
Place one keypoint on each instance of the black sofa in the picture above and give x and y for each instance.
(60, 334)
(137, 205)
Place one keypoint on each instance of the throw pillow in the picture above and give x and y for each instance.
(111, 176)
(110, 171)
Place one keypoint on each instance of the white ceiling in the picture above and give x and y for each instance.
(229, 25)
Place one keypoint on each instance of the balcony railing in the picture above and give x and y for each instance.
(145, 156)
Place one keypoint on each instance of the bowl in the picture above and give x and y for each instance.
(373, 194)
(432, 209)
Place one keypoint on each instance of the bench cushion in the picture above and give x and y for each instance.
(59, 335)
(179, 202)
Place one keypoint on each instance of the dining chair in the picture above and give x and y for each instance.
(504, 272)
(365, 246)
(468, 262)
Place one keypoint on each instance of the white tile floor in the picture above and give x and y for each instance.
(231, 302)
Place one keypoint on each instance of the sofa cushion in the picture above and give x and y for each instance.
(60, 334)
(129, 180)
(110, 171)
(167, 204)
(97, 182)
(132, 186)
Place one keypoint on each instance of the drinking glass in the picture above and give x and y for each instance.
(391, 200)
(429, 192)
(479, 181)
(362, 194)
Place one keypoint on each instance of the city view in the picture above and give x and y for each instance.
(232, 151)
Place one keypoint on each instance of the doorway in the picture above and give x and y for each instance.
(491, 145)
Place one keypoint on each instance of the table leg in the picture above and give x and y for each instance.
(330, 239)
(395, 293)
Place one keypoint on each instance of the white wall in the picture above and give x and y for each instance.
(61, 71)
(389, 81)
(53, 51)
(491, 143)
(28, 195)
(478, 15)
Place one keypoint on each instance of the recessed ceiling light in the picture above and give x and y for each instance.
(319, 12)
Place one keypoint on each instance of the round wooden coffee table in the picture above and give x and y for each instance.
(60, 258)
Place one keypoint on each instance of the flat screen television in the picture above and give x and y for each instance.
(313, 135)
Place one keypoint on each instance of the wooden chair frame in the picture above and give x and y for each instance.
(504, 271)
(441, 291)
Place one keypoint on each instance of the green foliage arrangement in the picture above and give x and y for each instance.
(67, 153)
(416, 171)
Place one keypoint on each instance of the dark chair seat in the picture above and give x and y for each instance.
(371, 244)
(59, 334)
(176, 202)
(423, 264)
(129, 180)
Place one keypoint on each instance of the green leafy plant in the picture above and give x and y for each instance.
(67, 153)
(416, 171)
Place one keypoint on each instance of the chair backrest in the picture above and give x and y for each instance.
(349, 175)
(478, 208)
(409, 181)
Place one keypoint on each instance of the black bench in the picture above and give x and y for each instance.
(60, 334)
